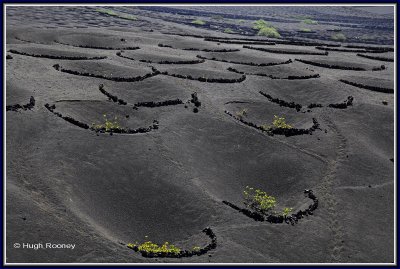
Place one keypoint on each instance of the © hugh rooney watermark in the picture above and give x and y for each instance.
(36, 246)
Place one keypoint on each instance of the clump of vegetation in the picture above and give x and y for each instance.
(198, 22)
(240, 21)
(269, 32)
(118, 15)
(150, 247)
(280, 122)
(241, 113)
(196, 248)
(263, 203)
(106, 11)
(277, 123)
(305, 30)
(257, 25)
(265, 29)
(286, 211)
(258, 200)
(309, 21)
(108, 125)
(228, 31)
(338, 37)
(127, 17)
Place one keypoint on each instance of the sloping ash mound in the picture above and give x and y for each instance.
(196, 45)
(40, 51)
(305, 92)
(202, 74)
(92, 115)
(246, 57)
(282, 50)
(16, 94)
(97, 41)
(261, 114)
(36, 35)
(384, 57)
(333, 63)
(105, 70)
(286, 71)
(369, 83)
(161, 56)
(158, 88)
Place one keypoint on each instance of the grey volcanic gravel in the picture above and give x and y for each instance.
(131, 124)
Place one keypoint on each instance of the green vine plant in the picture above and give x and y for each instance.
(287, 211)
(198, 22)
(108, 125)
(277, 123)
(261, 202)
(242, 113)
(151, 250)
(258, 200)
(151, 247)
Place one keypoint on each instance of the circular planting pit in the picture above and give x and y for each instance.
(156, 89)
(253, 58)
(203, 75)
(38, 36)
(161, 56)
(258, 41)
(370, 83)
(115, 99)
(97, 41)
(384, 57)
(60, 54)
(196, 45)
(178, 253)
(260, 116)
(285, 71)
(279, 218)
(345, 104)
(106, 71)
(347, 50)
(377, 48)
(18, 97)
(103, 117)
(340, 64)
(286, 50)
(316, 91)
(239, 42)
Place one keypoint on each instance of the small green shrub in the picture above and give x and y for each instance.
(286, 211)
(151, 247)
(118, 15)
(305, 30)
(257, 25)
(265, 29)
(106, 11)
(258, 200)
(198, 22)
(280, 122)
(107, 125)
(127, 17)
(309, 21)
(339, 37)
(240, 21)
(242, 113)
(196, 248)
(269, 32)
(228, 31)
